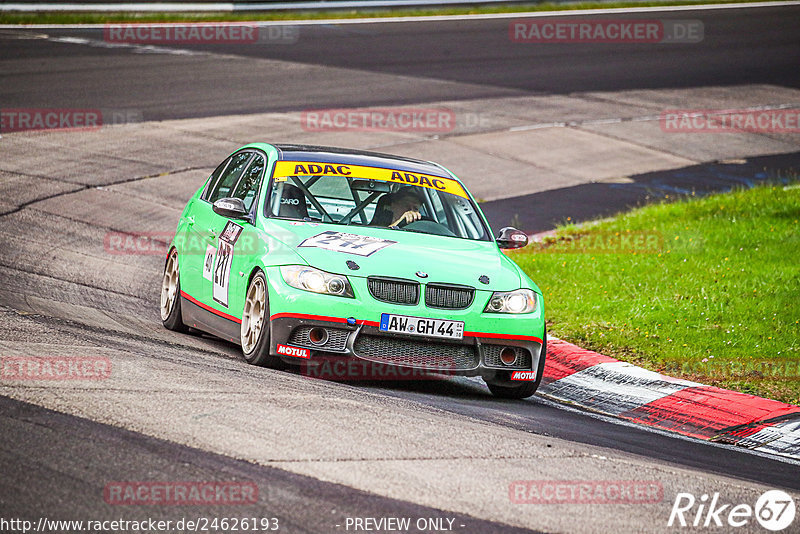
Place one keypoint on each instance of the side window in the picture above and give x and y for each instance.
(212, 180)
(247, 188)
(229, 178)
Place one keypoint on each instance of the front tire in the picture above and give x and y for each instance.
(171, 316)
(526, 389)
(255, 325)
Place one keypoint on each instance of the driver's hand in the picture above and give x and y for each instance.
(408, 217)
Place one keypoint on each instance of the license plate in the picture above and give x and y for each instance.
(421, 326)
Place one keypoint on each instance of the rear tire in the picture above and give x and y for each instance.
(526, 389)
(255, 325)
(171, 316)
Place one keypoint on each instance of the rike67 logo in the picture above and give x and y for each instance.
(774, 510)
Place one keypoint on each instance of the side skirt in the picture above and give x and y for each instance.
(201, 319)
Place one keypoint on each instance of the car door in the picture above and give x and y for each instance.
(236, 241)
(204, 228)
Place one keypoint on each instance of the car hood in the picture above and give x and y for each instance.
(401, 254)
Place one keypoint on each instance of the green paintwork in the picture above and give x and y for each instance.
(272, 242)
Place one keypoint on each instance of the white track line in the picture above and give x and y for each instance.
(444, 18)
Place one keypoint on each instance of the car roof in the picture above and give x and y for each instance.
(346, 156)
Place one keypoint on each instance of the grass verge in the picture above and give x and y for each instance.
(705, 289)
(122, 17)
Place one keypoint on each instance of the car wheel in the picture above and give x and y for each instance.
(526, 389)
(255, 325)
(170, 295)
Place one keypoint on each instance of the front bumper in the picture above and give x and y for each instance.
(473, 355)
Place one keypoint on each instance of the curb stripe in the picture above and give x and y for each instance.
(772, 433)
(705, 411)
(565, 359)
(614, 388)
(599, 383)
(782, 438)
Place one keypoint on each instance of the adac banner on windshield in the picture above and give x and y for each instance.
(285, 169)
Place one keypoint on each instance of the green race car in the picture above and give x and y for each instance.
(304, 255)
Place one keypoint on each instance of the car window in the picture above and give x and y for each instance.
(229, 178)
(247, 187)
(348, 201)
(212, 180)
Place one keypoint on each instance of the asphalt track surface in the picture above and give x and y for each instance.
(444, 60)
(56, 464)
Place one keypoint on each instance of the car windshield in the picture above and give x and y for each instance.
(439, 207)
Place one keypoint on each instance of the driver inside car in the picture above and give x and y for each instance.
(400, 207)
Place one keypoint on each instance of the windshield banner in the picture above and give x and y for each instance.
(284, 169)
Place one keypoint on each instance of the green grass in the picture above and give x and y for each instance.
(101, 18)
(713, 296)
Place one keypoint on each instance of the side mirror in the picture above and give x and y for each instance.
(512, 238)
(233, 208)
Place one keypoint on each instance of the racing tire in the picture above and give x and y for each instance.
(526, 389)
(171, 316)
(254, 333)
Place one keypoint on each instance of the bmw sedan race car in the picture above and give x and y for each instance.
(302, 254)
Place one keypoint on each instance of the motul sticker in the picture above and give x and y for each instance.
(523, 375)
(297, 352)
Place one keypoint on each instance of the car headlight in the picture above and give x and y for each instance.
(317, 281)
(519, 301)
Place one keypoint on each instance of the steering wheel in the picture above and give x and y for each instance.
(427, 225)
(403, 223)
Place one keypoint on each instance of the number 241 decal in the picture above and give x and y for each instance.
(222, 262)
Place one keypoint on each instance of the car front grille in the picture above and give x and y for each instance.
(394, 290)
(449, 297)
(417, 354)
(336, 342)
(491, 357)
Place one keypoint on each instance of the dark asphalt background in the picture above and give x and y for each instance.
(755, 46)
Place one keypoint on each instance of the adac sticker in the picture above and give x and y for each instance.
(523, 375)
(360, 245)
(305, 168)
